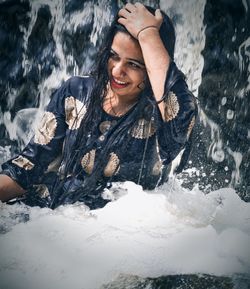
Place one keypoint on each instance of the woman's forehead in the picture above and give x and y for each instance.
(126, 46)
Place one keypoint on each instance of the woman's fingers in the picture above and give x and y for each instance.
(124, 13)
(136, 17)
(130, 7)
(139, 5)
(158, 15)
(122, 21)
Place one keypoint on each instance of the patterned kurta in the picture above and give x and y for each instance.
(146, 158)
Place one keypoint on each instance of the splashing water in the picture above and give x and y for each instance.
(148, 234)
(190, 37)
(61, 23)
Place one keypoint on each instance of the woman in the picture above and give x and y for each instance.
(127, 121)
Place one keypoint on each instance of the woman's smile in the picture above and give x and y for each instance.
(115, 83)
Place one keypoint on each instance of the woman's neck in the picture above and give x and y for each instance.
(116, 105)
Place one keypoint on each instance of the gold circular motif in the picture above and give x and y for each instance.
(112, 166)
(88, 161)
(75, 110)
(46, 131)
(172, 106)
(191, 125)
(23, 162)
(143, 129)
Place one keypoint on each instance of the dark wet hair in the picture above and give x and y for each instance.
(92, 119)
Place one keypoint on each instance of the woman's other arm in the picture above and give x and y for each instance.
(9, 189)
(64, 111)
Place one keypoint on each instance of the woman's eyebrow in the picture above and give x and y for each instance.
(112, 50)
(130, 59)
(137, 61)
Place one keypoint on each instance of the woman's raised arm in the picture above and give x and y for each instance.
(144, 26)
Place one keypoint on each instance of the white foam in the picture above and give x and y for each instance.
(168, 231)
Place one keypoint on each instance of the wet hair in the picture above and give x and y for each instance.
(92, 118)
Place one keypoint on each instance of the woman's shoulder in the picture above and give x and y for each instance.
(178, 92)
(78, 87)
(178, 82)
(76, 83)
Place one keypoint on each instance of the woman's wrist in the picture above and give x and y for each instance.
(146, 30)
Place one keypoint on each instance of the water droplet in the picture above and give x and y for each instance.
(218, 155)
(230, 114)
(223, 101)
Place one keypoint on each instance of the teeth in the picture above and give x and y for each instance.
(119, 82)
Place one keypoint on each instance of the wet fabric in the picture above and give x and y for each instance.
(145, 158)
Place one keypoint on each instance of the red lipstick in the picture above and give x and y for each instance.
(117, 85)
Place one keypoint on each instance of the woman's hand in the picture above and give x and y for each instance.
(136, 18)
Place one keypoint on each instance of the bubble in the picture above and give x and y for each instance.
(218, 155)
(230, 114)
(223, 101)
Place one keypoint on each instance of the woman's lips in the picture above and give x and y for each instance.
(115, 83)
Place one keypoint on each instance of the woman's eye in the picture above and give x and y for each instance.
(134, 65)
(113, 56)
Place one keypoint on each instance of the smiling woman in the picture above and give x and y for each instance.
(126, 121)
(126, 70)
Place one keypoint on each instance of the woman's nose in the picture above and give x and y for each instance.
(119, 69)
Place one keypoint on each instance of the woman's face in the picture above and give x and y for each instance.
(126, 67)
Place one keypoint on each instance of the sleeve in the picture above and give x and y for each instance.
(46, 145)
(180, 112)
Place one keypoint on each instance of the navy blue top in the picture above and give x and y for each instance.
(153, 143)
